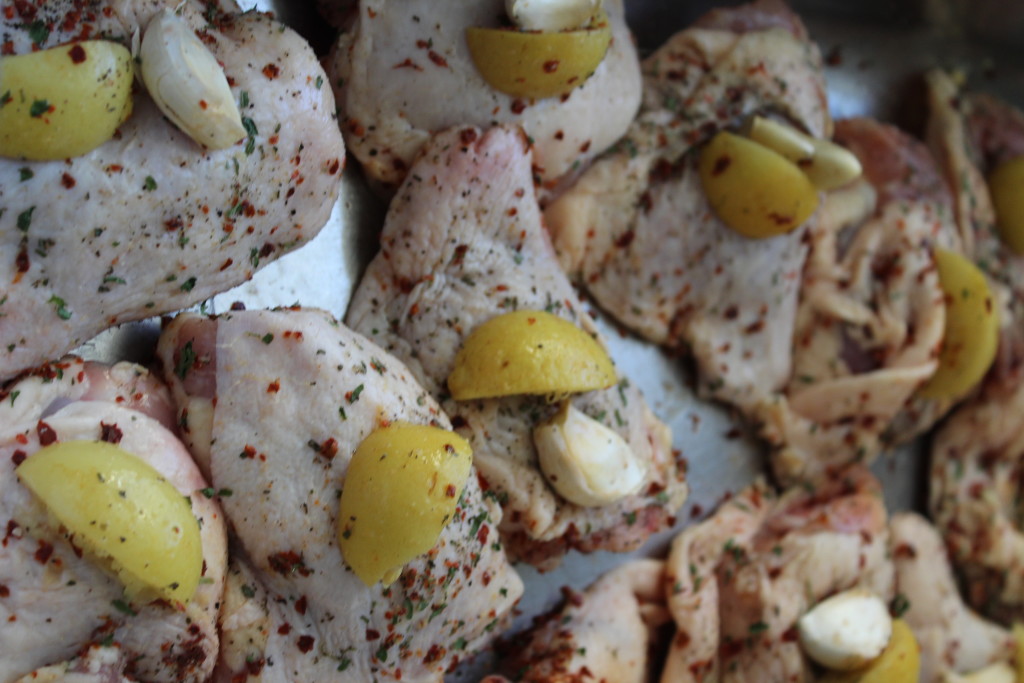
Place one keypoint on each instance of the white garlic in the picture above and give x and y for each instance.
(187, 83)
(584, 461)
(827, 164)
(847, 630)
(552, 15)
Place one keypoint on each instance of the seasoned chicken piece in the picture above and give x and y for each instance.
(738, 582)
(276, 402)
(602, 634)
(150, 221)
(638, 231)
(402, 72)
(61, 610)
(974, 499)
(463, 242)
(951, 636)
(871, 315)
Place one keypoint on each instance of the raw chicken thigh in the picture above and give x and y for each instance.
(275, 403)
(604, 633)
(462, 243)
(403, 71)
(871, 314)
(638, 230)
(150, 221)
(62, 612)
(737, 583)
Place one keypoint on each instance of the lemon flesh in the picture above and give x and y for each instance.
(401, 489)
(754, 190)
(900, 661)
(1006, 184)
(529, 352)
(64, 101)
(972, 328)
(538, 64)
(123, 511)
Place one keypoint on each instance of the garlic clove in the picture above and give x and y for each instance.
(584, 461)
(552, 15)
(828, 165)
(187, 83)
(847, 630)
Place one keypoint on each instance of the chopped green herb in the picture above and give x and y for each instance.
(38, 108)
(150, 184)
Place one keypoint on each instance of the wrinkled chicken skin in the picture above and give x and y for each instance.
(601, 634)
(463, 242)
(398, 80)
(277, 402)
(872, 312)
(738, 582)
(56, 604)
(637, 228)
(150, 221)
(951, 636)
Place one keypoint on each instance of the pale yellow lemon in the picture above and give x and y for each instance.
(900, 661)
(401, 489)
(1006, 185)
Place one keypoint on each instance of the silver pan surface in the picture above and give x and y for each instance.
(876, 52)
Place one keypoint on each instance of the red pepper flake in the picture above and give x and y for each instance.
(437, 59)
(329, 448)
(408, 64)
(46, 433)
(300, 605)
(284, 629)
(482, 535)
(274, 387)
(779, 219)
(754, 327)
(518, 106)
(271, 71)
(7, 48)
(451, 491)
(551, 66)
(21, 261)
(721, 164)
(585, 147)
(77, 54)
(288, 562)
(115, 168)
(789, 635)
(110, 433)
(173, 224)
(468, 136)
(12, 527)
(435, 654)
(625, 239)
(372, 634)
(248, 453)
(334, 167)
(68, 181)
(227, 264)
(305, 643)
(18, 457)
(5, 592)
(460, 254)
(43, 552)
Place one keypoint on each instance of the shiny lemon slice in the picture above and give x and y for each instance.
(972, 328)
(900, 661)
(400, 491)
(64, 101)
(754, 190)
(538, 64)
(1006, 184)
(529, 352)
(123, 511)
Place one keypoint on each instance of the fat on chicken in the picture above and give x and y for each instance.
(871, 315)
(737, 582)
(952, 637)
(150, 221)
(604, 633)
(66, 617)
(637, 229)
(402, 72)
(463, 242)
(274, 404)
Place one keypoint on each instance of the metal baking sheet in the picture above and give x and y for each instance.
(875, 54)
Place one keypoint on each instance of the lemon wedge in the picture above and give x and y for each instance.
(529, 352)
(123, 511)
(1006, 184)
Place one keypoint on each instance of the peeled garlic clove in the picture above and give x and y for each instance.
(584, 461)
(552, 15)
(847, 630)
(187, 83)
(827, 164)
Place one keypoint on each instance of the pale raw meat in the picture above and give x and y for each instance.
(602, 634)
(463, 242)
(402, 71)
(737, 583)
(55, 603)
(637, 229)
(951, 636)
(871, 315)
(150, 221)
(275, 403)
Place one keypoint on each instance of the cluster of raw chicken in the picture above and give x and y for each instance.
(284, 496)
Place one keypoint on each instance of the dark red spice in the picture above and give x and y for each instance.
(271, 71)
(721, 164)
(68, 181)
(300, 605)
(46, 433)
(288, 562)
(305, 643)
(18, 457)
(77, 54)
(437, 59)
(110, 433)
(43, 552)
(551, 66)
